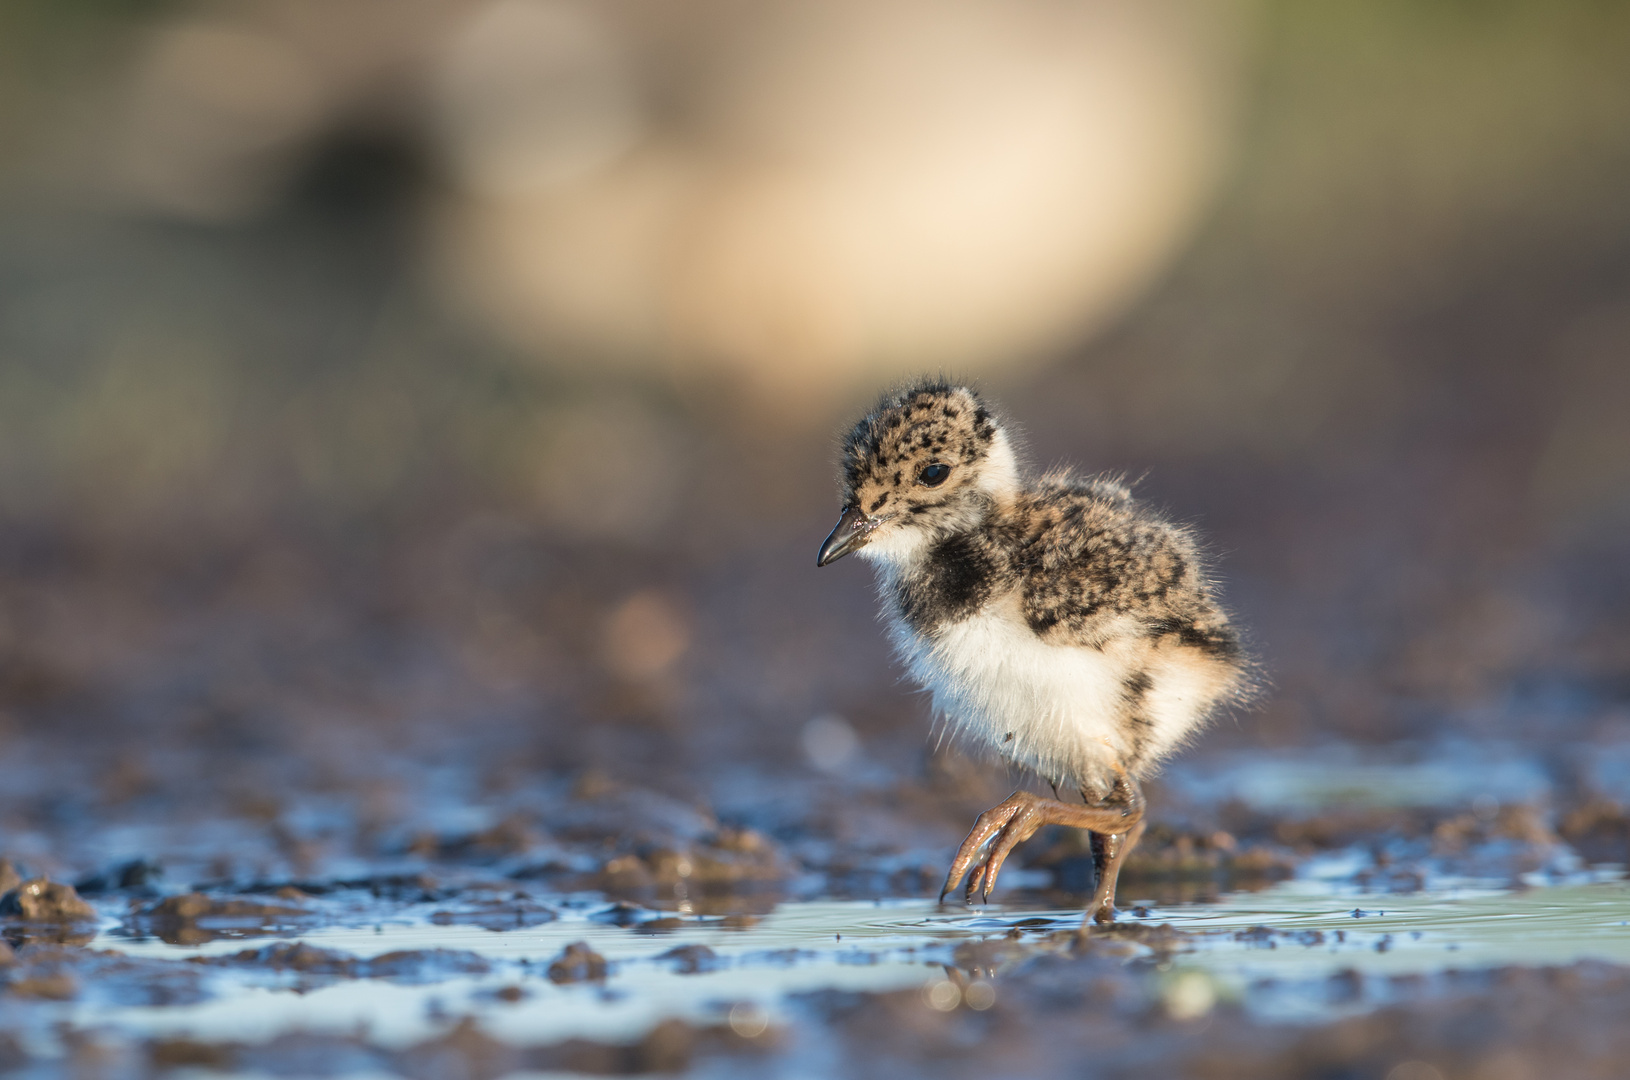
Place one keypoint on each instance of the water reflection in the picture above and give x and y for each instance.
(614, 972)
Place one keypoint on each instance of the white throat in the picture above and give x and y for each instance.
(897, 549)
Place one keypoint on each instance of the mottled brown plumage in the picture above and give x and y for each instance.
(1057, 620)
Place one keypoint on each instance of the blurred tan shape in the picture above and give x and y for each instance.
(860, 189)
(218, 113)
(801, 197)
(644, 637)
(576, 279)
(228, 98)
(534, 93)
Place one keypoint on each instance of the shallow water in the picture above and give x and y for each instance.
(453, 947)
(1263, 949)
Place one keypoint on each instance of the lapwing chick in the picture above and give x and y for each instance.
(1055, 619)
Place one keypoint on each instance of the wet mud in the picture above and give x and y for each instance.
(355, 720)
(452, 884)
(622, 931)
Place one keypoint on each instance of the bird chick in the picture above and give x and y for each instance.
(1054, 619)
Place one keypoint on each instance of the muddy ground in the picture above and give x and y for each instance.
(234, 754)
(352, 656)
(300, 712)
(303, 711)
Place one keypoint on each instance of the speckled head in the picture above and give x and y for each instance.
(929, 459)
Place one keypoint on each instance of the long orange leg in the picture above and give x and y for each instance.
(1004, 827)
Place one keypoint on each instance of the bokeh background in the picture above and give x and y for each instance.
(407, 405)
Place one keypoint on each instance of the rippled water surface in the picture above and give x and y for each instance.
(1255, 947)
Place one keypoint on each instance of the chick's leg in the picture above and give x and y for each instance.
(1110, 849)
(1109, 852)
(1002, 828)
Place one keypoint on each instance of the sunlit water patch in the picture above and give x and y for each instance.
(1263, 948)
(1445, 773)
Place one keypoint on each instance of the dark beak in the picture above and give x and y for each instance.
(852, 532)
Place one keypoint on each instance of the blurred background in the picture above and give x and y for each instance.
(417, 400)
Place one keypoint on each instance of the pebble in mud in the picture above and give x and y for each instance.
(408, 967)
(55, 971)
(1162, 940)
(291, 956)
(1599, 829)
(496, 914)
(43, 900)
(425, 965)
(577, 963)
(198, 906)
(691, 959)
(194, 918)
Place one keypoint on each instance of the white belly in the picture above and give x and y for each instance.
(1062, 710)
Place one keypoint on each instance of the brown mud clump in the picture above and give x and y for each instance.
(691, 959)
(728, 862)
(577, 963)
(43, 900)
(291, 956)
(1599, 830)
(194, 918)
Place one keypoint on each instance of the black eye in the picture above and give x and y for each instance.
(933, 475)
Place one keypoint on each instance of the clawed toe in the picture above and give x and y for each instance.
(1002, 828)
(976, 879)
(997, 832)
(968, 859)
(1017, 832)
